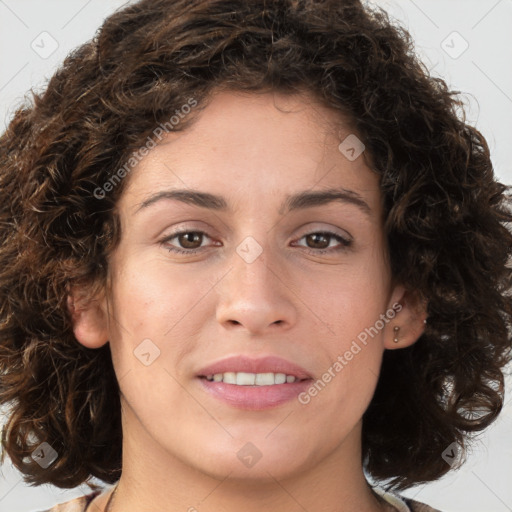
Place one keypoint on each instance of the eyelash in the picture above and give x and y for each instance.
(345, 244)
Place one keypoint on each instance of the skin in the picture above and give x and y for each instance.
(180, 444)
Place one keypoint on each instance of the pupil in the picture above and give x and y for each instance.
(315, 237)
(187, 238)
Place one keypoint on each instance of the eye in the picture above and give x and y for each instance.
(191, 241)
(323, 238)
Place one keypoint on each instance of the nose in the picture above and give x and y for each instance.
(256, 296)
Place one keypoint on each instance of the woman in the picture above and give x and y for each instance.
(250, 256)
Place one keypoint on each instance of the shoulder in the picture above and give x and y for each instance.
(75, 505)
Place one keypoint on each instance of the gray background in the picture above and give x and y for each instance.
(482, 72)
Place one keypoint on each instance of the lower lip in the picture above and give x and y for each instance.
(255, 398)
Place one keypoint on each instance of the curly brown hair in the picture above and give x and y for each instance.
(446, 218)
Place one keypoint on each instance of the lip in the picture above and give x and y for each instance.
(268, 364)
(254, 398)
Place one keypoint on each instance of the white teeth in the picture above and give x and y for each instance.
(252, 379)
(229, 377)
(245, 379)
(281, 378)
(267, 379)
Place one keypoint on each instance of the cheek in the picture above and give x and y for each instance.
(152, 319)
(348, 299)
(346, 383)
(150, 295)
(350, 303)
(148, 312)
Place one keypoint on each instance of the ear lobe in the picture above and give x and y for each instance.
(89, 319)
(409, 322)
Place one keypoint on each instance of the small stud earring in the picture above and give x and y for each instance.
(396, 329)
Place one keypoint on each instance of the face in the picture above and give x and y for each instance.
(250, 273)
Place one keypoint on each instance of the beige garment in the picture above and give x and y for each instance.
(401, 504)
(75, 505)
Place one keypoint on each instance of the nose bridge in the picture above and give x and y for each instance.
(252, 264)
(255, 293)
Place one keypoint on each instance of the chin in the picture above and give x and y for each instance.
(259, 462)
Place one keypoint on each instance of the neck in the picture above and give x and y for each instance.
(153, 479)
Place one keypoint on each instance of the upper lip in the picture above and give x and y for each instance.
(268, 364)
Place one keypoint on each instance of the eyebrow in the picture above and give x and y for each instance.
(301, 200)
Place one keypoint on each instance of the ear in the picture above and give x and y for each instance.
(89, 317)
(410, 318)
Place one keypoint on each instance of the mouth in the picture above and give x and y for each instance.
(243, 370)
(254, 384)
(252, 379)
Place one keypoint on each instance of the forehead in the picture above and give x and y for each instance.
(243, 146)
